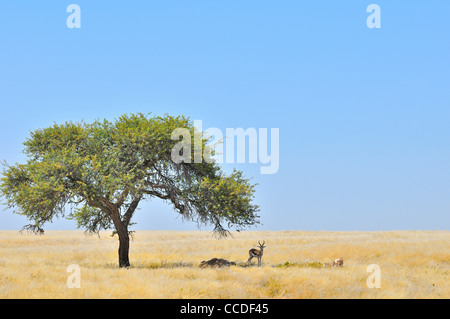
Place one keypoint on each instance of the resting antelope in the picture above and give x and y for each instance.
(338, 262)
(257, 253)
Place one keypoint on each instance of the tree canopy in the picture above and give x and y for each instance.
(104, 169)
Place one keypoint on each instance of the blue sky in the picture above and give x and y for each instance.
(363, 113)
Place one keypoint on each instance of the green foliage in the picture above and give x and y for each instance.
(104, 169)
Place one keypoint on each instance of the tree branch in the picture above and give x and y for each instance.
(153, 193)
(122, 198)
(129, 213)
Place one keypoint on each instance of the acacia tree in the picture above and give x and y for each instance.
(104, 169)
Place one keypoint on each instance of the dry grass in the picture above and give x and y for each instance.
(414, 264)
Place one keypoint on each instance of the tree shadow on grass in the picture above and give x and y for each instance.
(164, 264)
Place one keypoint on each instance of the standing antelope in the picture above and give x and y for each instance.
(257, 253)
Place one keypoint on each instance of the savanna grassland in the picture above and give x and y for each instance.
(164, 264)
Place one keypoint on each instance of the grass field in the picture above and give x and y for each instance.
(164, 264)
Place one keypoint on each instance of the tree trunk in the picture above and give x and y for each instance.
(124, 248)
(122, 232)
(124, 240)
